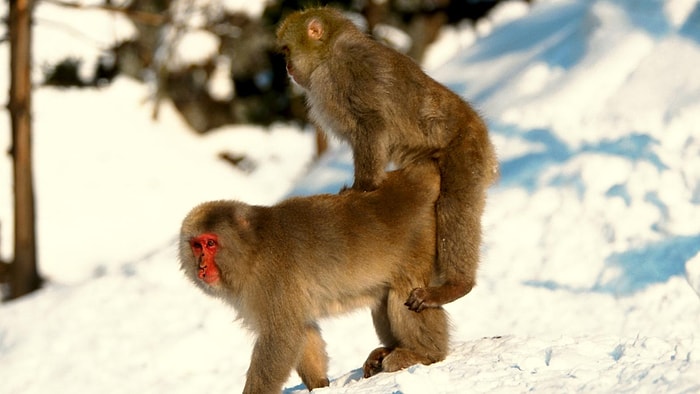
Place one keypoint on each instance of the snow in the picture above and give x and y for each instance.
(590, 279)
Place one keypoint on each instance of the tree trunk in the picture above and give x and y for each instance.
(24, 276)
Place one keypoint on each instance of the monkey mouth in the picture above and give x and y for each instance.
(208, 274)
(290, 73)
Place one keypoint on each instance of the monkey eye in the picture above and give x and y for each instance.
(204, 241)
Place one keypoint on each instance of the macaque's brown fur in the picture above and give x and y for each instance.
(388, 109)
(283, 267)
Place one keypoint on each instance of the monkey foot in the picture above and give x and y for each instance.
(315, 384)
(373, 364)
(418, 299)
(434, 297)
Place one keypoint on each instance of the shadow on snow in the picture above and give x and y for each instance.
(638, 268)
(525, 171)
(691, 27)
(654, 263)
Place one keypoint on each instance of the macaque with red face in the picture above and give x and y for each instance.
(389, 110)
(283, 267)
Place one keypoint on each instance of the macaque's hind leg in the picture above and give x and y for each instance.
(374, 363)
(415, 338)
(313, 365)
(382, 325)
(458, 214)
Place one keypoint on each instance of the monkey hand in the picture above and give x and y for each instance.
(418, 299)
(362, 186)
(373, 364)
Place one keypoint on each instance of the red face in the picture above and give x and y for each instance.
(291, 70)
(204, 248)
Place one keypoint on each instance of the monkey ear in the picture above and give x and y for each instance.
(315, 29)
(243, 222)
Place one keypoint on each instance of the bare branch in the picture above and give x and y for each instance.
(147, 18)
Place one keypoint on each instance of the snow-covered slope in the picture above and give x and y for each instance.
(591, 265)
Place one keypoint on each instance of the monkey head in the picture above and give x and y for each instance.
(213, 251)
(306, 38)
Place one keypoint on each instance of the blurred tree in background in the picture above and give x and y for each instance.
(260, 92)
(22, 275)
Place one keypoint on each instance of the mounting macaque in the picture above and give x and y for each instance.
(285, 266)
(389, 110)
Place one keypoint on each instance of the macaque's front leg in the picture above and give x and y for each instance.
(313, 366)
(371, 161)
(274, 356)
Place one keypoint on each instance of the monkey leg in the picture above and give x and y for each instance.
(382, 326)
(458, 215)
(275, 354)
(313, 365)
(409, 338)
(382, 323)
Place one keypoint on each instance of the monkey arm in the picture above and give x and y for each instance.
(370, 158)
